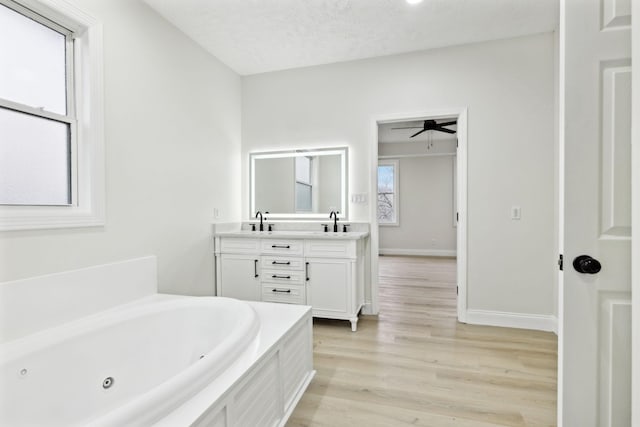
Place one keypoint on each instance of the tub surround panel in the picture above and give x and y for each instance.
(30, 305)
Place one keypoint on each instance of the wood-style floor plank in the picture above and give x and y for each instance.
(415, 365)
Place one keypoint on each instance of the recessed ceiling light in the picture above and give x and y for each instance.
(414, 1)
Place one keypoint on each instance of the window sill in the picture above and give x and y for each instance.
(40, 217)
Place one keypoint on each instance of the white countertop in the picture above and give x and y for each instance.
(329, 235)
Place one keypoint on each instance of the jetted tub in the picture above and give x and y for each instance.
(130, 365)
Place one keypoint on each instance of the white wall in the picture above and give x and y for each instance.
(172, 138)
(426, 195)
(508, 87)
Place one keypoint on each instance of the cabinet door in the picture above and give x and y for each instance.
(328, 286)
(240, 277)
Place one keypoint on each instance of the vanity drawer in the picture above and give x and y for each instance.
(232, 245)
(291, 294)
(330, 248)
(282, 247)
(284, 277)
(282, 263)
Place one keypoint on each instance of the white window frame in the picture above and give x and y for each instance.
(396, 195)
(87, 127)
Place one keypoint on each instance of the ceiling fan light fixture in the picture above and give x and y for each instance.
(414, 1)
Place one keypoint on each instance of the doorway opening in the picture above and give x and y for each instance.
(419, 179)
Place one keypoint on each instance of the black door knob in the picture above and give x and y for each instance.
(587, 265)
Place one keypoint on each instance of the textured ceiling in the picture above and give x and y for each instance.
(256, 36)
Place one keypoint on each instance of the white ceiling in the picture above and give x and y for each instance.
(256, 36)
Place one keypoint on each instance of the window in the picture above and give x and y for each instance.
(51, 147)
(36, 110)
(388, 193)
(304, 187)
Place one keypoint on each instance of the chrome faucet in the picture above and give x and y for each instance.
(261, 225)
(334, 215)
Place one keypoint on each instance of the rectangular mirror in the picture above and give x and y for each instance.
(302, 184)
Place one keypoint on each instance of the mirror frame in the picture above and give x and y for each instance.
(344, 162)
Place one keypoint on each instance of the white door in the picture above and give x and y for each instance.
(595, 308)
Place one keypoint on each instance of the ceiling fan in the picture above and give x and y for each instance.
(431, 125)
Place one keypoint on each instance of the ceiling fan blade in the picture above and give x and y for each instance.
(445, 130)
(412, 127)
(448, 123)
(418, 133)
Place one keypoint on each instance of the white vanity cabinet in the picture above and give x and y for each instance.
(335, 278)
(283, 279)
(240, 263)
(243, 269)
(323, 271)
(328, 290)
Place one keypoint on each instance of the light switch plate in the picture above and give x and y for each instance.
(515, 212)
(359, 198)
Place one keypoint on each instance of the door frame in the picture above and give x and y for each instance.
(461, 177)
(635, 219)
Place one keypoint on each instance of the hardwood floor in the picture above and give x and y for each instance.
(415, 365)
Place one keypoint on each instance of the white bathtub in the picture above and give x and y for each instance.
(155, 354)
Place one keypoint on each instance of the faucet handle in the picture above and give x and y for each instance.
(344, 227)
(270, 227)
(253, 227)
(326, 227)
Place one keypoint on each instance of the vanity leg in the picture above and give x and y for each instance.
(354, 324)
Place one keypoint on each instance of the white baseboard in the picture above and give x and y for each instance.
(539, 322)
(418, 252)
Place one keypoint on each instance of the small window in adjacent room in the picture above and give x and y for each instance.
(388, 193)
(304, 187)
(51, 142)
